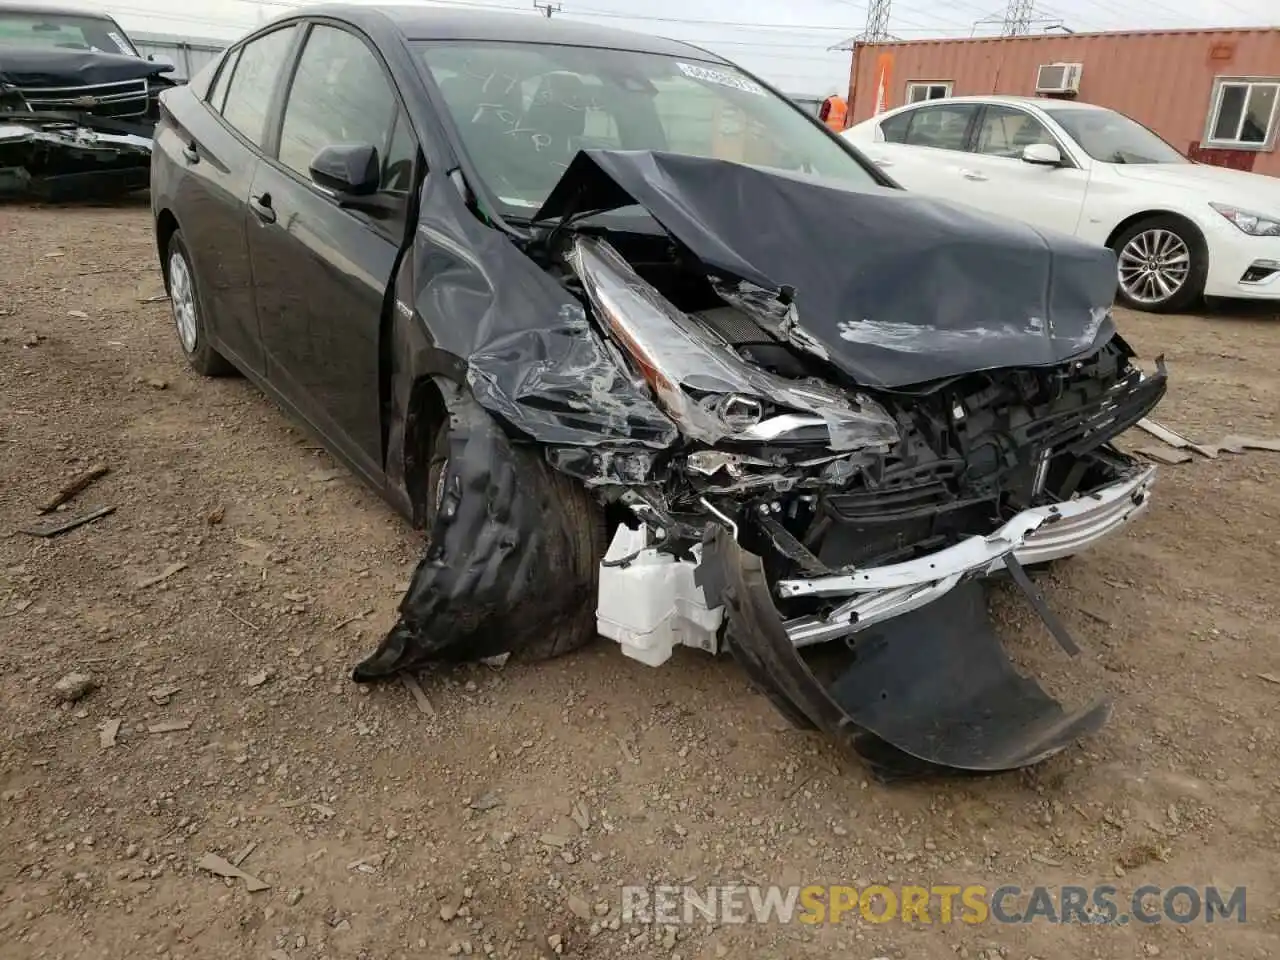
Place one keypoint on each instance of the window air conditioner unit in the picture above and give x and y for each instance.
(1059, 78)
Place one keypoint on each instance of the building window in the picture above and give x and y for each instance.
(1243, 114)
(918, 90)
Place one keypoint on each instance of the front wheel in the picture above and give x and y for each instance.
(1161, 265)
(188, 318)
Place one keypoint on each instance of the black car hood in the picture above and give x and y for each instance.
(896, 288)
(70, 68)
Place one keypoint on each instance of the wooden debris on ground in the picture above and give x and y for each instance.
(212, 863)
(110, 730)
(55, 527)
(243, 855)
(169, 726)
(419, 695)
(75, 485)
(349, 620)
(163, 575)
(1162, 455)
(1229, 444)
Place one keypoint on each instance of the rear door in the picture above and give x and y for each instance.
(996, 178)
(217, 148)
(923, 148)
(321, 268)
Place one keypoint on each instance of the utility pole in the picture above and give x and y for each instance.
(547, 8)
(877, 27)
(1017, 18)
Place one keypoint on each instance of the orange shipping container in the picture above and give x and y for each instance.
(1189, 86)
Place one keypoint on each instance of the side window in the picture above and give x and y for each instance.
(254, 80)
(339, 95)
(219, 92)
(895, 128)
(942, 127)
(1006, 132)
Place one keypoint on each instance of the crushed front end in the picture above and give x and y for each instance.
(862, 521)
(812, 429)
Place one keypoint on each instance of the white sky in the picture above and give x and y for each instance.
(785, 41)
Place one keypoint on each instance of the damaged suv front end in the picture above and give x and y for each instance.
(817, 417)
(78, 105)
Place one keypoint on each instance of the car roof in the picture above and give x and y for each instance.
(55, 9)
(421, 22)
(1040, 102)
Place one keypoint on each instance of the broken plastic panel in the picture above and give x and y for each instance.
(498, 572)
(925, 692)
(519, 338)
(696, 379)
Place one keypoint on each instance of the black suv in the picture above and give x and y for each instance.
(78, 103)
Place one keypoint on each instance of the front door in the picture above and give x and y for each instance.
(321, 268)
(994, 177)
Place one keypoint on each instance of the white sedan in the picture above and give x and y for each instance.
(1180, 230)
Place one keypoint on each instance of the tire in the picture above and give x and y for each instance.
(582, 555)
(579, 554)
(1154, 253)
(188, 315)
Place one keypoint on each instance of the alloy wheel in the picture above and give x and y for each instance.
(182, 297)
(1154, 266)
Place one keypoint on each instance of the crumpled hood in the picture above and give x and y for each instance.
(69, 68)
(896, 288)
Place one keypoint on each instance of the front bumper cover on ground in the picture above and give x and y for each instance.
(930, 688)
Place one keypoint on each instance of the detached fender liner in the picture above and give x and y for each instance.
(931, 691)
(511, 565)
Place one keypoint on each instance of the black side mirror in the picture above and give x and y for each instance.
(348, 168)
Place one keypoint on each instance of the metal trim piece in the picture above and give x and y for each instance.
(1035, 536)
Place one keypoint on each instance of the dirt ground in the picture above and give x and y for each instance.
(386, 832)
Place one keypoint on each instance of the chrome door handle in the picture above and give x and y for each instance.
(881, 162)
(973, 175)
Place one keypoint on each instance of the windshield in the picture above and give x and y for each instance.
(524, 111)
(1113, 137)
(57, 31)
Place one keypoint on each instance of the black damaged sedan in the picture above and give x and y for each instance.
(648, 352)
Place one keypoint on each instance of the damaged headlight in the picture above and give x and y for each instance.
(596, 466)
(709, 390)
(735, 411)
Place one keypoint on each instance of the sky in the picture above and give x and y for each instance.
(787, 42)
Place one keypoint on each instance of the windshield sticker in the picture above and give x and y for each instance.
(723, 77)
(119, 42)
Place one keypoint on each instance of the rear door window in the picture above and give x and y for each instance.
(254, 81)
(943, 127)
(895, 128)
